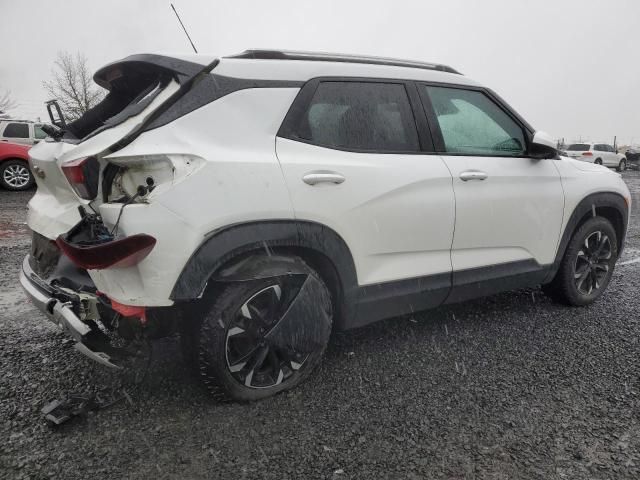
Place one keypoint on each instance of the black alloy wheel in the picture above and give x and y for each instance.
(264, 336)
(587, 265)
(592, 262)
(252, 358)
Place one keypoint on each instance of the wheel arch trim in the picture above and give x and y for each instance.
(222, 246)
(586, 208)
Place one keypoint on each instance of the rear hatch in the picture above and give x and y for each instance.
(578, 151)
(140, 89)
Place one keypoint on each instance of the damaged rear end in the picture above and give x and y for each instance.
(76, 213)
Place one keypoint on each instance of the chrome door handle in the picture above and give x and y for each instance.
(312, 178)
(473, 175)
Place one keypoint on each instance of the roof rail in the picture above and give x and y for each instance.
(339, 57)
(16, 120)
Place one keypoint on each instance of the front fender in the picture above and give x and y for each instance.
(592, 205)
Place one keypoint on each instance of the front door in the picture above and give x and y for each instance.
(509, 207)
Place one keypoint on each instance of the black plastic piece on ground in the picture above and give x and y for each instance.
(58, 412)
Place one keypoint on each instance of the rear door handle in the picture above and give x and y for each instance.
(324, 176)
(473, 175)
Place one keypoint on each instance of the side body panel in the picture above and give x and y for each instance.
(395, 211)
(238, 180)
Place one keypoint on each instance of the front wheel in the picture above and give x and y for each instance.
(587, 265)
(15, 175)
(264, 336)
(622, 166)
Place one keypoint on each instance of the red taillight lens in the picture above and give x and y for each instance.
(121, 253)
(83, 176)
(587, 154)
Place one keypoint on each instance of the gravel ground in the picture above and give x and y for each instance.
(511, 386)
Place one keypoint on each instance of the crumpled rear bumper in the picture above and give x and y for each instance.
(43, 296)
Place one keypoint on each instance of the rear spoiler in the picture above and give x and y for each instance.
(108, 77)
(185, 86)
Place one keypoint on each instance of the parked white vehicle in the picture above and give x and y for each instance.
(598, 153)
(21, 131)
(256, 202)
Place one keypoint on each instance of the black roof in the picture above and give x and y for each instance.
(339, 57)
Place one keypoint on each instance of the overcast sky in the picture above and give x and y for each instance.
(571, 67)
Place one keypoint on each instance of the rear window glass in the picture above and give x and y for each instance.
(578, 147)
(16, 130)
(360, 116)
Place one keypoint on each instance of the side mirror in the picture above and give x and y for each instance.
(542, 146)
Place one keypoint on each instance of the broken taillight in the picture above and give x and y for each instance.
(120, 253)
(83, 175)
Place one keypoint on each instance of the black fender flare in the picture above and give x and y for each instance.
(261, 238)
(258, 266)
(589, 206)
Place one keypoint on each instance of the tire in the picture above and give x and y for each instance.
(15, 175)
(585, 271)
(264, 336)
(598, 161)
(622, 166)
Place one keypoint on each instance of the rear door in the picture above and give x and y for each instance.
(508, 207)
(354, 161)
(16, 132)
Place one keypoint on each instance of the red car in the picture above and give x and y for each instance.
(14, 166)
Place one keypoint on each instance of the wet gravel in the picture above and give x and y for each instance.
(512, 386)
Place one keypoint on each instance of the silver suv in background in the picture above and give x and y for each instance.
(598, 153)
(21, 131)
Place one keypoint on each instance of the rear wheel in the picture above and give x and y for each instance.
(15, 175)
(587, 265)
(264, 336)
(622, 166)
(598, 161)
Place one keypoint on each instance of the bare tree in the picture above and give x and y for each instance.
(6, 102)
(72, 85)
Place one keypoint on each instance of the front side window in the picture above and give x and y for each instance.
(16, 130)
(38, 132)
(366, 116)
(472, 124)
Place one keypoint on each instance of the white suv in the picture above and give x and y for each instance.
(598, 153)
(255, 202)
(21, 131)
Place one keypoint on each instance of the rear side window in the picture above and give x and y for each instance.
(366, 116)
(16, 130)
(600, 148)
(472, 124)
(578, 147)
